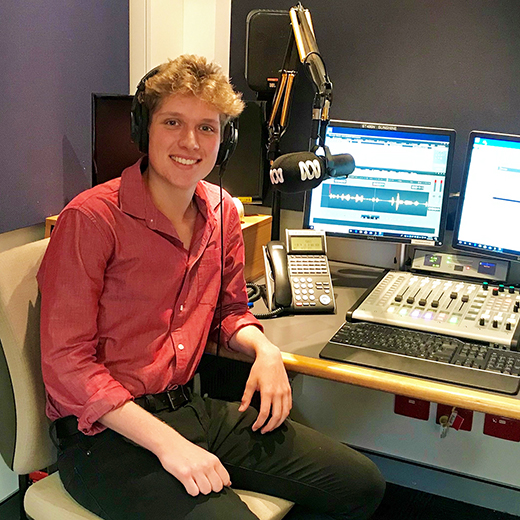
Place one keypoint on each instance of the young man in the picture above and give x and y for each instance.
(131, 291)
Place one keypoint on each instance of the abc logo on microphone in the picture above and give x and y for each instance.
(310, 170)
(297, 172)
(302, 171)
(276, 175)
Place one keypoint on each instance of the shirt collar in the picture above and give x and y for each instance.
(208, 200)
(135, 199)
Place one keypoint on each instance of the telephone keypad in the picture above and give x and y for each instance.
(310, 281)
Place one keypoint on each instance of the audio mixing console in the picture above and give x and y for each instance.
(470, 310)
(456, 331)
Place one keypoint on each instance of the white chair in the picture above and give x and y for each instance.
(24, 440)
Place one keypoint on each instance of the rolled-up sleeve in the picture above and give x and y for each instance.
(71, 283)
(235, 310)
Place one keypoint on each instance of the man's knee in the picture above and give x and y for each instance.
(220, 506)
(356, 485)
(371, 491)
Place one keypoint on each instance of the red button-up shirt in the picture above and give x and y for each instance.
(126, 310)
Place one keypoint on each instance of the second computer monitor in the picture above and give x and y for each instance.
(489, 202)
(398, 191)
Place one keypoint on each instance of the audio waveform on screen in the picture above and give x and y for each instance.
(397, 201)
(381, 200)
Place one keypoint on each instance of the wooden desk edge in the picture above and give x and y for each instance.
(409, 386)
(437, 392)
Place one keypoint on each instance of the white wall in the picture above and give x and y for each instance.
(8, 481)
(163, 29)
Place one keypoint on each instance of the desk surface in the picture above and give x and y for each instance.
(302, 337)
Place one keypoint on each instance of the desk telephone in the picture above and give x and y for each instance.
(298, 275)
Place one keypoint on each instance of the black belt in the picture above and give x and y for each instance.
(171, 400)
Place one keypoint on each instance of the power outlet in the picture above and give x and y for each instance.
(502, 427)
(410, 407)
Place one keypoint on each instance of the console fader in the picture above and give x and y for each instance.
(470, 310)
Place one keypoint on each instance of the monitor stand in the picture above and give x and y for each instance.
(400, 255)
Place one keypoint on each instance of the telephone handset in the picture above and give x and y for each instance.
(278, 285)
(298, 276)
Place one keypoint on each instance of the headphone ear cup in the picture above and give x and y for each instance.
(228, 144)
(139, 115)
(139, 126)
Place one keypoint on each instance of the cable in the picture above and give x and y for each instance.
(222, 168)
(312, 53)
(271, 314)
(254, 292)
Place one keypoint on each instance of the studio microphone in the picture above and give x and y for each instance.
(302, 171)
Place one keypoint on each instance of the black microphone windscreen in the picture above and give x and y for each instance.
(341, 165)
(297, 172)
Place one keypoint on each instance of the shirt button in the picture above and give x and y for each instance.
(182, 307)
(181, 346)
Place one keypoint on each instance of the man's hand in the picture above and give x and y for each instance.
(197, 469)
(268, 376)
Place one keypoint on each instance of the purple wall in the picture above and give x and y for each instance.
(53, 55)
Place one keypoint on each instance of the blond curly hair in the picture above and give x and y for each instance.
(190, 74)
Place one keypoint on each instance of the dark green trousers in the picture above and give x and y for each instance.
(118, 480)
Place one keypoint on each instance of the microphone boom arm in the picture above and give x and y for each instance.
(302, 36)
(310, 56)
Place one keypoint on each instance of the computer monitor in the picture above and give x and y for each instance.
(398, 191)
(113, 149)
(489, 202)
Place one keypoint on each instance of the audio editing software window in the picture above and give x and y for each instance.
(490, 198)
(397, 191)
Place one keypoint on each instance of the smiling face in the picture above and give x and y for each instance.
(184, 138)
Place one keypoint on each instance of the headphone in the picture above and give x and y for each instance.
(141, 120)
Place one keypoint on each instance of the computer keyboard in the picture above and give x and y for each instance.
(428, 355)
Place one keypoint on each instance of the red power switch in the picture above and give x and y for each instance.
(502, 427)
(416, 408)
(466, 415)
